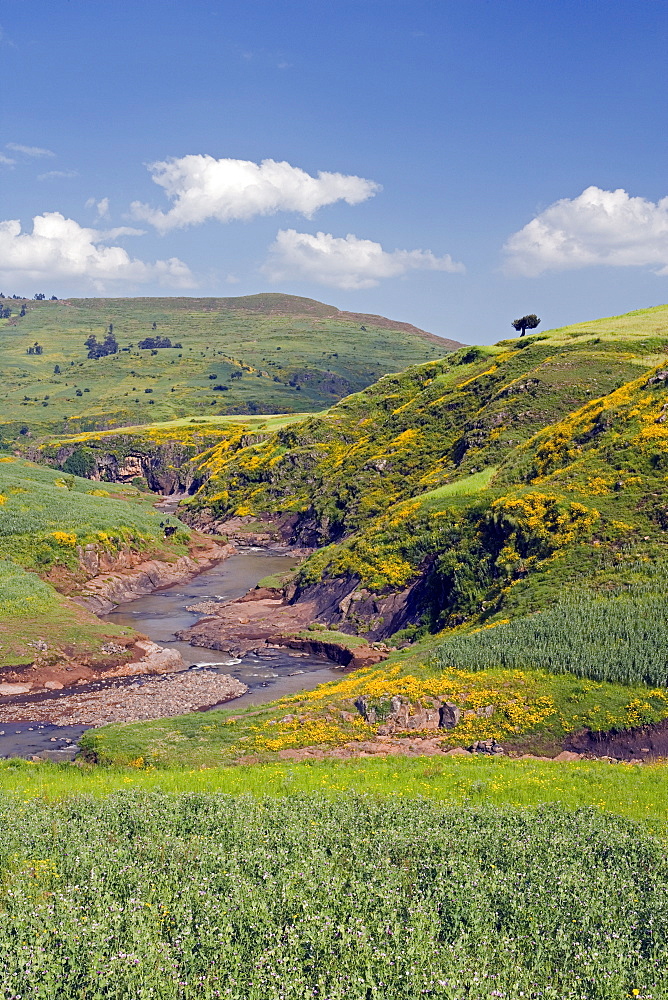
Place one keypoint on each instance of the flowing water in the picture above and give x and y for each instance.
(270, 674)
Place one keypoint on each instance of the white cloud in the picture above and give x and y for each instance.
(347, 263)
(113, 234)
(61, 249)
(202, 188)
(29, 150)
(597, 227)
(7, 160)
(51, 174)
(101, 207)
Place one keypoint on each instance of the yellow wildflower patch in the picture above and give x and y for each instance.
(65, 539)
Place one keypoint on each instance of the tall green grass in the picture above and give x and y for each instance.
(619, 638)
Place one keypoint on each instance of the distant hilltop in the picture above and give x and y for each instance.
(90, 364)
(273, 304)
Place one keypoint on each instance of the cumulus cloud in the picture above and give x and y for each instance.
(61, 249)
(347, 263)
(597, 227)
(29, 150)
(201, 188)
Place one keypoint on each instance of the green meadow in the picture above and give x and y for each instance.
(257, 354)
(638, 793)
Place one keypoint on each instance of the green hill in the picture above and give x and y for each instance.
(474, 485)
(254, 354)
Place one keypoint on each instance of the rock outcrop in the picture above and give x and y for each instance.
(397, 714)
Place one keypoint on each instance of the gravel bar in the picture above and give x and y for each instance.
(154, 698)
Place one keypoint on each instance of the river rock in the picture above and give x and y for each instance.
(120, 701)
(156, 659)
(10, 689)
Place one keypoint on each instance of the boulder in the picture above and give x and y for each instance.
(449, 715)
(568, 755)
(486, 747)
(156, 659)
(9, 689)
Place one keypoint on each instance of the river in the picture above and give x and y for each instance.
(271, 674)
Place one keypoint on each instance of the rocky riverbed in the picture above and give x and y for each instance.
(127, 700)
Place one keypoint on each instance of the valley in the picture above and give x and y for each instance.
(470, 532)
(437, 604)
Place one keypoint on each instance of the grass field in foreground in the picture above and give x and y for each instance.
(203, 897)
(633, 791)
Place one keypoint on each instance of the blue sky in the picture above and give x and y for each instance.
(409, 144)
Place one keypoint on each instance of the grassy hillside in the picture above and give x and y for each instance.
(256, 354)
(485, 481)
(434, 424)
(46, 520)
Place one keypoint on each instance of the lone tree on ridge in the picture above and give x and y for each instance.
(526, 323)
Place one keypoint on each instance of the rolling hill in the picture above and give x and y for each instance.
(470, 487)
(266, 353)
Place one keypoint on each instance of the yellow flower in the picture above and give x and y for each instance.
(64, 538)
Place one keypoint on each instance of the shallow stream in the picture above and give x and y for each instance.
(271, 674)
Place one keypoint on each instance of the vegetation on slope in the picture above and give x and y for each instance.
(160, 456)
(47, 519)
(37, 622)
(618, 635)
(255, 354)
(484, 481)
